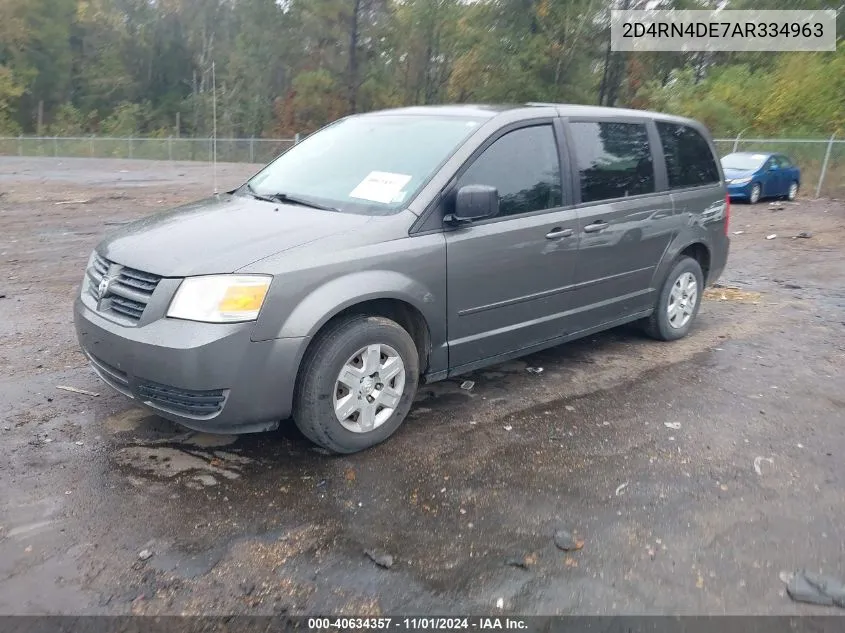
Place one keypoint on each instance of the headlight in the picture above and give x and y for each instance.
(220, 298)
(739, 181)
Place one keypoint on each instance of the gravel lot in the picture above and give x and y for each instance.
(699, 518)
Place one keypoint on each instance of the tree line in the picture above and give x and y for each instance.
(280, 67)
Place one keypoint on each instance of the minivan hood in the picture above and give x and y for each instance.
(732, 174)
(220, 235)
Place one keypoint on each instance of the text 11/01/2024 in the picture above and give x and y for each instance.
(418, 624)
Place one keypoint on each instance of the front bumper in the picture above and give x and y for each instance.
(742, 191)
(206, 376)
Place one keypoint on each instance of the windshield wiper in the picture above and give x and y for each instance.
(303, 202)
(288, 199)
(257, 195)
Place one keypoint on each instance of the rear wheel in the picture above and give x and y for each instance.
(678, 301)
(754, 196)
(793, 191)
(356, 384)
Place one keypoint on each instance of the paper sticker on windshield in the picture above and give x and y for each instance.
(380, 186)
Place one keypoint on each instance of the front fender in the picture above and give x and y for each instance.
(335, 296)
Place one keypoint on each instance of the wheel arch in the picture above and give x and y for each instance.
(694, 246)
(402, 312)
(700, 252)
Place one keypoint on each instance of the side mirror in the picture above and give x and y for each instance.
(475, 202)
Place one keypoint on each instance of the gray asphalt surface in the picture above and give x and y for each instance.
(695, 519)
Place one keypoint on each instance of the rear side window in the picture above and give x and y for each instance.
(614, 160)
(689, 161)
(524, 166)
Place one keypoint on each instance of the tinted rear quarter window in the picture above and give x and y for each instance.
(614, 159)
(523, 165)
(689, 161)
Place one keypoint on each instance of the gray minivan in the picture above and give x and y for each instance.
(402, 246)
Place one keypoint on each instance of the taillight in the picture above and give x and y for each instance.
(727, 212)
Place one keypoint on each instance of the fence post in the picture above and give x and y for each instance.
(129, 143)
(824, 165)
(170, 148)
(91, 143)
(20, 144)
(296, 139)
(251, 149)
(55, 146)
(736, 140)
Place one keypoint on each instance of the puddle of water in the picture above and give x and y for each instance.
(165, 461)
(207, 440)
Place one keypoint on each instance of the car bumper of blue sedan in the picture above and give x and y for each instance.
(740, 191)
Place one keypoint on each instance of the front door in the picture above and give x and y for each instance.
(626, 225)
(771, 178)
(509, 277)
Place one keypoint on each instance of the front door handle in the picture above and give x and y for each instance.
(595, 227)
(557, 233)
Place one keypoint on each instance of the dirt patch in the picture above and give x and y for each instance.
(727, 293)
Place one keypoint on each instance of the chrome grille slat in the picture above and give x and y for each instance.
(128, 307)
(140, 275)
(144, 286)
(118, 289)
(101, 265)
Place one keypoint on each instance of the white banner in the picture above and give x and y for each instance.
(723, 30)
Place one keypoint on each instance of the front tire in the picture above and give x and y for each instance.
(793, 191)
(754, 195)
(356, 384)
(678, 301)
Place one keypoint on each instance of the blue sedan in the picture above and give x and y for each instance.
(752, 176)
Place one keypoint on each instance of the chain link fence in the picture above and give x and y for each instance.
(822, 161)
(229, 150)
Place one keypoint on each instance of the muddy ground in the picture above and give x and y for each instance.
(695, 519)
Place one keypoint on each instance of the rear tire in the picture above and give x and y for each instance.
(358, 349)
(754, 195)
(678, 301)
(793, 191)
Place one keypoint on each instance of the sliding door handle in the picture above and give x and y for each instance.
(595, 227)
(557, 233)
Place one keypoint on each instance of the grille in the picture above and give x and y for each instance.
(128, 293)
(194, 403)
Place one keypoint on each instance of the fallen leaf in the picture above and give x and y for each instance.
(350, 474)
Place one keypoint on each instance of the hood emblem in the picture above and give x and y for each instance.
(103, 289)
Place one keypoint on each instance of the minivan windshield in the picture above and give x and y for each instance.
(365, 164)
(743, 162)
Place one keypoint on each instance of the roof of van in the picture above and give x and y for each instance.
(488, 111)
